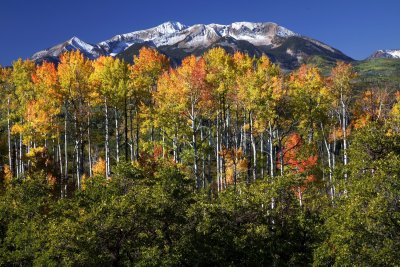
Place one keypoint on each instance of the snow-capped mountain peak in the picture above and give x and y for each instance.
(74, 43)
(170, 27)
(388, 53)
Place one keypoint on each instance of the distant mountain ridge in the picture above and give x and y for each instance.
(176, 40)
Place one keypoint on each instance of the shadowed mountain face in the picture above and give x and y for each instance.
(177, 41)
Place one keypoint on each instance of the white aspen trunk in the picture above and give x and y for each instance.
(116, 133)
(280, 154)
(77, 154)
(90, 147)
(175, 145)
(334, 149)
(237, 133)
(131, 136)
(78, 176)
(137, 135)
(9, 137)
(328, 153)
(209, 155)
(107, 143)
(194, 144)
(17, 168)
(217, 154)
(344, 126)
(60, 156)
(271, 151)
(66, 143)
(228, 125)
(126, 143)
(244, 142)
(21, 163)
(253, 146)
(262, 155)
(300, 196)
(203, 161)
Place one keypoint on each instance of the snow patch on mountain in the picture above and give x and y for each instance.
(392, 53)
(386, 53)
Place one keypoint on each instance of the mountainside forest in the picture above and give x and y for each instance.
(224, 160)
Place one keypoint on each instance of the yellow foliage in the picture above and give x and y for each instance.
(99, 168)
(8, 176)
(236, 164)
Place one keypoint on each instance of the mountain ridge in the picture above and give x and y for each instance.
(177, 40)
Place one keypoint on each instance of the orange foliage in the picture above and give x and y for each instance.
(296, 163)
(370, 107)
(51, 179)
(292, 158)
(157, 151)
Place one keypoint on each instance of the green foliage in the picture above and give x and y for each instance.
(362, 229)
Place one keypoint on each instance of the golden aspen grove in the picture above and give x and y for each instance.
(221, 160)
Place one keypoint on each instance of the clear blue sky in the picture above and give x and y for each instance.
(355, 27)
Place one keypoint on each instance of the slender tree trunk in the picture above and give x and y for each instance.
(253, 146)
(116, 133)
(344, 128)
(328, 153)
(21, 162)
(137, 135)
(194, 144)
(77, 151)
(281, 154)
(90, 147)
(17, 168)
(175, 145)
(300, 196)
(9, 137)
(237, 134)
(126, 128)
(131, 135)
(244, 141)
(203, 161)
(66, 142)
(107, 142)
(209, 154)
(271, 151)
(227, 129)
(334, 149)
(218, 155)
(60, 157)
(262, 155)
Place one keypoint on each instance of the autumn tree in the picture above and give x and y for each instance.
(7, 90)
(341, 89)
(73, 75)
(220, 76)
(144, 74)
